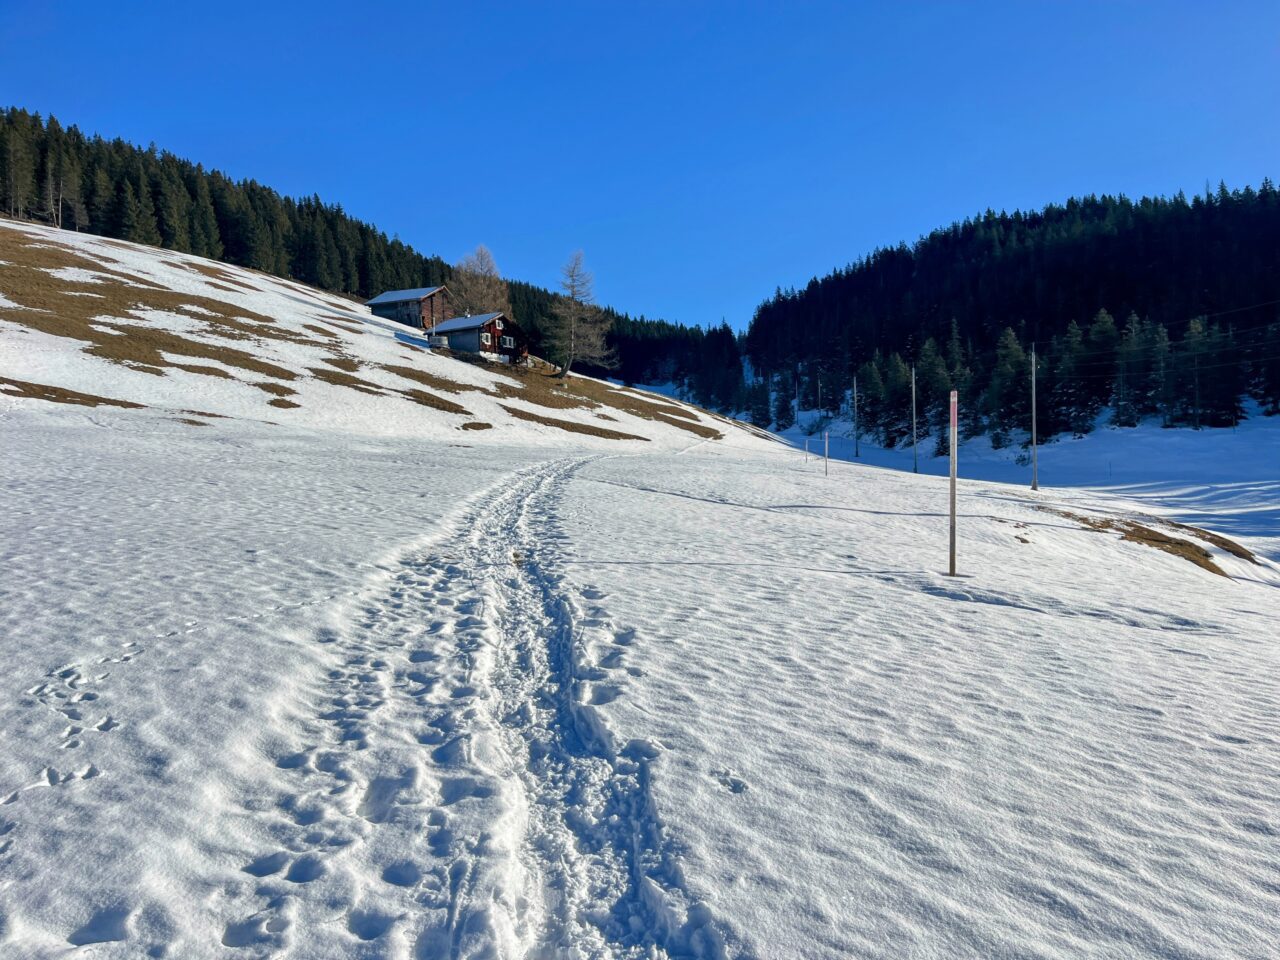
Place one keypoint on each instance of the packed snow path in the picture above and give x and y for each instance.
(454, 793)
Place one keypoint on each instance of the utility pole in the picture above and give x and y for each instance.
(826, 454)
(1035, 476)
(855, 418)
(915, 458)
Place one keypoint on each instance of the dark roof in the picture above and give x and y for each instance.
(399, 296)
(458, 324)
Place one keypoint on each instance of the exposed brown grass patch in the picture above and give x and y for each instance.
(340, 379)
(277, 389)
(220, 274)
(1136, 532)
(202, 370)
(348, 364)
(1218, 540)
(662, 403)
(477, 425)
(191, 422)
(570, 426)
(41, 391)
(322, 331)
(434, 401)
(106, 321)
(283, 404)
(426, 379)
(540, 385)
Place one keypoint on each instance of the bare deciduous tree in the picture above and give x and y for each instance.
(477, 287)
(579, 329)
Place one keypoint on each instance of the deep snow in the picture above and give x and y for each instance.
(325, 689)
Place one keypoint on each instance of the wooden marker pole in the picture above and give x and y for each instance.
(954, 452)
(806, 449)
(826, 454)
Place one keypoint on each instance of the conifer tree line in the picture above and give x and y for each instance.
(1165, 309)
(58, 175)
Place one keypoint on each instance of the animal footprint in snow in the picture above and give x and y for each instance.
(591, 593)
(105, 926)
(402, 873)
(266, 865)
(369, 924)
(305, 869)
(730, 782)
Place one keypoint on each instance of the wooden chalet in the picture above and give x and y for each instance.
(421, 307)
(490, 334)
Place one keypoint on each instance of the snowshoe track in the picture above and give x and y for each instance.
(456, 794)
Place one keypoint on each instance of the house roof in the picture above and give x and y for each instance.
(398, 296)
(458, 324)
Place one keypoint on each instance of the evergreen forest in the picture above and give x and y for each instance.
(1163, 309)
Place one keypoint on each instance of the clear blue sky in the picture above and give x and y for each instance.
(700, 153)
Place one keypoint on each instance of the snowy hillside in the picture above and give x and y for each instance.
(92, 320)
(345, 679)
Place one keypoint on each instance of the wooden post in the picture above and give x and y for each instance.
(826, 454)
(954, 452)
(806, 449)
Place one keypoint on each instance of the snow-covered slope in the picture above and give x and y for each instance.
(367, 685)
(91, 320)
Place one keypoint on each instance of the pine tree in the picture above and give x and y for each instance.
(1008, 394)
(205, 239)
(1127, 401)
(146, 230)
(1158, 392)
(17, 165)
(895, 422)
(784, 411)
(933, 389)
(125, 220)
(871, 398)
(758, 404)
(173, 213)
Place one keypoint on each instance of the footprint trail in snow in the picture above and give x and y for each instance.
(457, 794)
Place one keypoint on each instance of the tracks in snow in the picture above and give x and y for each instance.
(458, 794)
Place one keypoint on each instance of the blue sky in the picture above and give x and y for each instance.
(701, 153)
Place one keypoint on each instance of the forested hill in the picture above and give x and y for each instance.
(58, 175)
(1157, 307)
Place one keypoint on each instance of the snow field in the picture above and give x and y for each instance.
(1071, 750)
(357, 683)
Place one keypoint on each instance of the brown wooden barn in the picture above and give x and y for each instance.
(422, 307)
